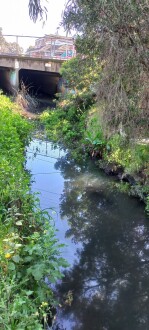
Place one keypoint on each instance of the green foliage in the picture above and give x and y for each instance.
(112, 63)
(120, 152)
(119, 41)
(30, 255)
(94, 140)
(140, 157)
(29, 251)
(133, 157)
(81, 74)
(82, 129)
(94, 135)
(67, 122)
(15, 305)
(14, 134)
(147, 206)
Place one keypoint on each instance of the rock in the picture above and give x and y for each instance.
(113, 169)
(128, 178)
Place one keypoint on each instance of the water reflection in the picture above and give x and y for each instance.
(110, 280)
(109, 236)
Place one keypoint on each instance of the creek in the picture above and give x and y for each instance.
(106, 236)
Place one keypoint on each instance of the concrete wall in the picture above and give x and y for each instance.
(8, 80)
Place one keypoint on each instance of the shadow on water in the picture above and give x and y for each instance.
(106, 286)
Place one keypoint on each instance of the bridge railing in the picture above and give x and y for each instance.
(48, 46)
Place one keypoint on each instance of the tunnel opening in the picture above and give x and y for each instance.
(40, 84)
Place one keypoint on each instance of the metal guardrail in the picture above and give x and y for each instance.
(46, 47)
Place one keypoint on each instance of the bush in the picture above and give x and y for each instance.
(29, 251)
(67, 122)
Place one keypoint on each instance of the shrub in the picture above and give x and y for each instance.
(29, 251)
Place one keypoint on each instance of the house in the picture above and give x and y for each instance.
(53, 46)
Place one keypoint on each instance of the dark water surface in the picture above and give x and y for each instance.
(107, 238)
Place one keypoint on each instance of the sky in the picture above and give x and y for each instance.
(14, 19)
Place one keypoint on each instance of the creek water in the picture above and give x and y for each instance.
(106, 286)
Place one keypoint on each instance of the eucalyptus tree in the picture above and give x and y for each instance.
(117, 33)
(37, 9)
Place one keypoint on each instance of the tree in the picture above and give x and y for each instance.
(37, 10)
(9, 47)
(81, 73)
(117, 32)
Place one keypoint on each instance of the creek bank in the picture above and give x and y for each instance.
(75, 123)
(134, 182)
(29, 250)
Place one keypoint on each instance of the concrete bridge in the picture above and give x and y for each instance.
(39, 74)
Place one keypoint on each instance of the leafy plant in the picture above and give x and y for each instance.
(29, 252)
(147, 206)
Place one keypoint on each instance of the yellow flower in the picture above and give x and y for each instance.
(7, 255)
(44, 303)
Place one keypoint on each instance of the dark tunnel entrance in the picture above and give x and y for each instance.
(39, 83)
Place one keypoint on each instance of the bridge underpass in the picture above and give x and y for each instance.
(40, 83)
